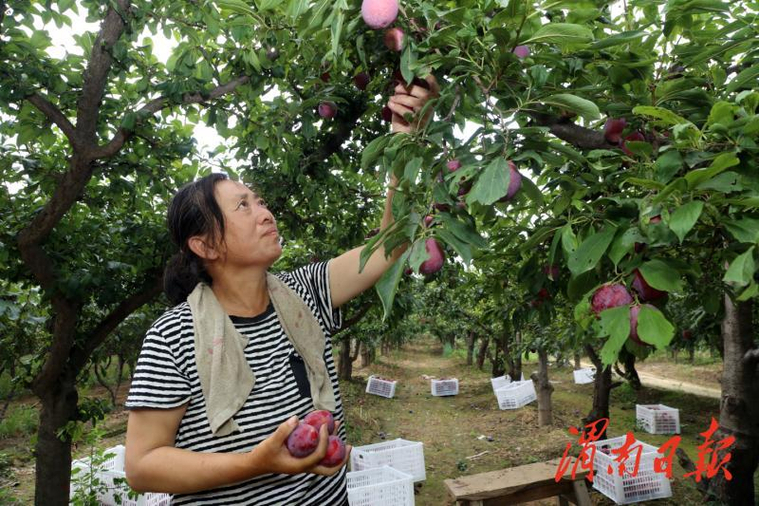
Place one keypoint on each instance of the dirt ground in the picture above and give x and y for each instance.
(463, 434)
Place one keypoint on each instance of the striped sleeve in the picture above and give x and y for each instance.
(314, 278)
(158, 381)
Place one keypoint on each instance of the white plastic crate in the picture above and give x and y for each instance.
(380, 486)
(646, 485)
(405, 456)
(585, 375)
(516, 394)
(110, 470)
(380, 386)
(657, 418)
(441, 387)
(502, 381)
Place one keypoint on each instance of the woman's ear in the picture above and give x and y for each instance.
(199, 246)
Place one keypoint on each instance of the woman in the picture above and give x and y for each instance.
(228, 239)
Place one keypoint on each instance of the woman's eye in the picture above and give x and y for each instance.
(242, 203)
(262, 202)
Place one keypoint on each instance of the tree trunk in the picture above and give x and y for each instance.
(470, 347)
(482, 352)
(58, 406)
(577, 360)
(601, 391)
(631, 374)
(739, 409)
(345, 367)
(366, 355)
(692, 355)
(544, 389)
(515, 358)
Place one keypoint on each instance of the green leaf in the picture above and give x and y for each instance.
(618, 38)
(615, 323)
(411, 170)
(744, 229)
(388, 283)
(373, 151)
(590, 251)
(653, 327)
(336, 30)
(749, 293)
(722, 162)
(532, 191)
(462, 248)
(747, 77)
(492, 184)
(741, 270)
(661, 276)
(581, 106)
(569, 240)
(624, 244)
(665, 115)
(464, 231)
(684, 217)
(561, 33)
(418, 254)
(408, 60)
(667, 165)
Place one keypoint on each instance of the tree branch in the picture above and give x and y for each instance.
(96, 74)
(576, 135)
(107, 325)
(690, 467)
(152, 107)
(56, 116)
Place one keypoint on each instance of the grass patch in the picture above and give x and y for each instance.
(20, 420)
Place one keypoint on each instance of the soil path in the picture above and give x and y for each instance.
(655, 381)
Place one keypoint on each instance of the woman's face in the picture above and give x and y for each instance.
(250, 231)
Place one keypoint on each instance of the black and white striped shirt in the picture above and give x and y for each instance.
(166, 377)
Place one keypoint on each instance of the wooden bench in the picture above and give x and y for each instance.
(519, 484)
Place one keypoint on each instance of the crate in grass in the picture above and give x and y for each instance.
(657, 418)
(380, 386)
(108, 474)
(502, 381)
(380, 486)
(646, 485)
(445, 386)
(405, 456)
(585, 375)
(516, 394)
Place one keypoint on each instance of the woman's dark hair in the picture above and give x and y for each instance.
(193, 212)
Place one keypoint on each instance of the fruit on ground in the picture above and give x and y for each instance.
(636, 137)
(394, 39)
(335, 452)
(609, 296)
(634, 323)
(453, 165)
(613, 129)
(379, 13)
(645, 291)
(327, 110)
(303, 440)
(522, 51)
(435, 262)
(515, 183)
(361, 80)
(318, 418)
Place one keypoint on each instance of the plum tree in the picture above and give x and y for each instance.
(515, 183)
(645, 291)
